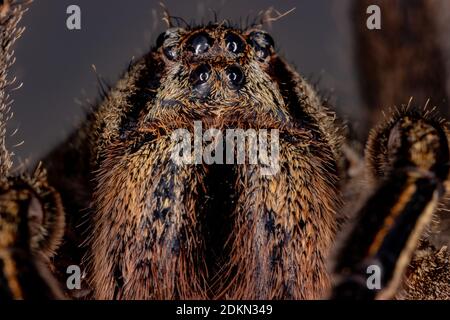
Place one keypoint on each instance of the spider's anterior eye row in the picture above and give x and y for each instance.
(235, 76)
(201, 74)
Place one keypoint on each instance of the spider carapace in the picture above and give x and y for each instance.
(142, 226)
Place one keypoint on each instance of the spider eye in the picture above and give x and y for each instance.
(170, 53)
(201, 75)
(262, 43)
(199, 43)
(234, 43)
(168, 42)
(235, 76)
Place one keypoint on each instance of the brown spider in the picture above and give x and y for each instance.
(145, 227)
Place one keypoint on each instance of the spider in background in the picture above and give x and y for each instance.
(112, 200)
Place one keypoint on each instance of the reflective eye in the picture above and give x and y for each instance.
(168, 41)
(235, 76)
(234, 43)
(170, 53)
(201, 75)
(199, 43)
(262, 43)
(204, 76)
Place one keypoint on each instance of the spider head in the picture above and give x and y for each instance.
(216, 64)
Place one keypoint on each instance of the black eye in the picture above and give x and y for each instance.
(199, 43)
(168, 41)
(262, 43)
(235, 76)
(170, 53)
(201, 75)
(234, 43)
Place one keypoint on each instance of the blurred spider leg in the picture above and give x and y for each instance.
(408, 159)
(10, 16)
(31, 214)
(31, 228)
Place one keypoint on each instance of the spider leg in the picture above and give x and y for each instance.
(408, 162)
(31, 214)
(31, 228)
(428, 275)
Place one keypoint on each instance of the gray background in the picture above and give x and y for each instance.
(55, 64)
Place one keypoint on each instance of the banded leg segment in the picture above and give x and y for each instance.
(31, 228)
(408, 159)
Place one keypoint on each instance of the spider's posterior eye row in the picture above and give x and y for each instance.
(234, 43)
(168, 41)
(202, 42)
(170, 53)
(199, 43)
(262, 43)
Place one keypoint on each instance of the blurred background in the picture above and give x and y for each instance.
(55, 64)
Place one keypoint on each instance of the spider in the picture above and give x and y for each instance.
(112, 199)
